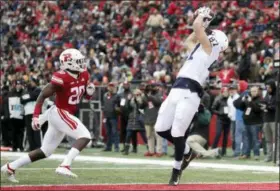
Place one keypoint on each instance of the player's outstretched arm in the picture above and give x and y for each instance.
(200, 33)
(47, 91)
(190, 42)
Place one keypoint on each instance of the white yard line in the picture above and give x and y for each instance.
(100, 168)
(168, 163)
(128, 168)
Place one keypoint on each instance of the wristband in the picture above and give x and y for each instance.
(37, 110)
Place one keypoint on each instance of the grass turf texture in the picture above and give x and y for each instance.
(142, 150)
(42, 172)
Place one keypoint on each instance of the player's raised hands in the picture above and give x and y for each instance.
(206, 14)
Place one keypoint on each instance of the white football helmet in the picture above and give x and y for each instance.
(222, 39)
(73, 60)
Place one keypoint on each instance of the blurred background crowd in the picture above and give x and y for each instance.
(134, 50)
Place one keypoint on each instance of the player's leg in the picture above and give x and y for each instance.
(73, 127)
(184, 113)
(51, 140)
(165, 119)
(197, 143)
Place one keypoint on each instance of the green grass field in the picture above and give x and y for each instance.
(42, 172)
(142, 150)
(98, 173)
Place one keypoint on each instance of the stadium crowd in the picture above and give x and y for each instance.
(128, 42)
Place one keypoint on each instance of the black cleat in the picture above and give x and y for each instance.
(187, 159)
(175, 177)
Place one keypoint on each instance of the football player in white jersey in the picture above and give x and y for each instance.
(177, 111)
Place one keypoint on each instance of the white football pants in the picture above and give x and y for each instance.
(60, 123)
(177, 111)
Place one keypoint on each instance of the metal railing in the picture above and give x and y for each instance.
(90, 113)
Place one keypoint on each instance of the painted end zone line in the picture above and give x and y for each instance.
(236, 186)
(154, 162)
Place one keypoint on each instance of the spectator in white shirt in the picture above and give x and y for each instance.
(233, 95)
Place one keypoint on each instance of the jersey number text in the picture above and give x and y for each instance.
(213, 41)
(77, 95)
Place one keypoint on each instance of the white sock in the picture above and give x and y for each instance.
(177, 164)
(187, 148)
(70, 157)
(20, 162)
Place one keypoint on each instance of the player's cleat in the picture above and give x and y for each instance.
(187, 159)
(10, 173)
(175, 177)
(65, 171)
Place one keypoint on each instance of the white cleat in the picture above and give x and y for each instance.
(65, 171)
(10, 173)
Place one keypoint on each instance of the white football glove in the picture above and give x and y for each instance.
(90, 89)
(35, 124)
(207, 15)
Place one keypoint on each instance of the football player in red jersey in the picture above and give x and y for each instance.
(69, 84)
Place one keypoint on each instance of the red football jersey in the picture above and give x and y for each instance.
(71, 91)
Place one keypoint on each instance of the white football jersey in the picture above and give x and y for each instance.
(198, 62)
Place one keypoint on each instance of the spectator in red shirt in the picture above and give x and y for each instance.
(227, 73)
